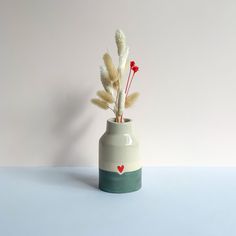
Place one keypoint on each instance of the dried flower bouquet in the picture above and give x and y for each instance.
(115, 95)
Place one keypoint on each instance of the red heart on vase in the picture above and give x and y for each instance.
(120, 168)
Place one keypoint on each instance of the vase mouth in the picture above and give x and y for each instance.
(113, 121)
(114, 127)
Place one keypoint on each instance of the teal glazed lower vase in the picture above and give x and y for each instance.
(120, 168)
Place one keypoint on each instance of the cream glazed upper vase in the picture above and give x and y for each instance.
(119, 163)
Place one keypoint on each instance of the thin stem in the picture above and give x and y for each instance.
(116, 97)
(116, 105)
(111, 109)
(128, 80)
(121, 118)
(130, 84)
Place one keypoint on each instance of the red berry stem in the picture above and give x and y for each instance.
(133, 68)
(128, 80)
(130, 84)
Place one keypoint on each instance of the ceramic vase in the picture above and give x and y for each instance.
(119, 163)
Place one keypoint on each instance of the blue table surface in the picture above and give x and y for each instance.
(174, 201)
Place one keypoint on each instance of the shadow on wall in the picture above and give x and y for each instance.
(70, 127)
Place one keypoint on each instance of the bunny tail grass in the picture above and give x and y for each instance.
(130, 100)
(116, 85)
(121, 102)
(120, 42)
(122, 62)
(104, 75)
(106, 82)
(107, 97)
(100, 103)
(110, 67)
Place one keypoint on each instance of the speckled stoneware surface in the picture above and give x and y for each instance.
(119, 163)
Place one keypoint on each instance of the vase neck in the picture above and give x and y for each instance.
(125, 127)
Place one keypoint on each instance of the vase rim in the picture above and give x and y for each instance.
(119, 128)
(126, 121)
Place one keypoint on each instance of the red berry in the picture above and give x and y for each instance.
(132, 63)
(135, 69)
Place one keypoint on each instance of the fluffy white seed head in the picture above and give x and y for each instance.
(121, 102)
(100, 103)
(120, 41)
(112, 71)
(107, 97)
(130, 100)
(104, 76)
(104, 73)
(122, 62)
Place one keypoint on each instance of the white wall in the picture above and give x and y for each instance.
(50, 52)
